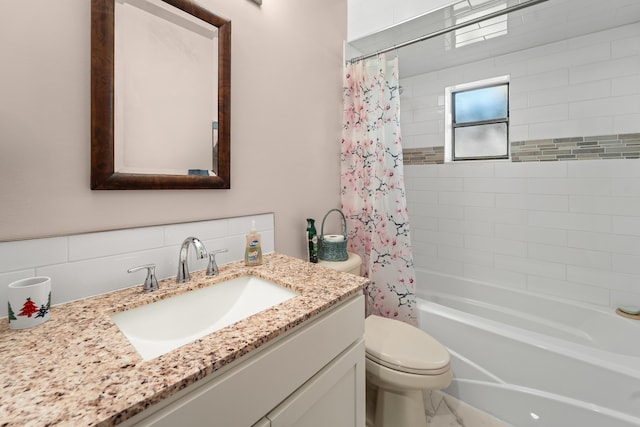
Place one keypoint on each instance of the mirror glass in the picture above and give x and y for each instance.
(165, 89)
(160, 95)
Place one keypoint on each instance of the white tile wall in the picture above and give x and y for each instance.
(584, 86)
(570, 229)
(575, 234)
(84, 265)
(496, 276)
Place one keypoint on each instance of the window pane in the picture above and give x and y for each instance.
(481, 104)
(481, 141)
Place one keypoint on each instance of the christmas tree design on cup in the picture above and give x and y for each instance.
(30, 295)
(29, 308)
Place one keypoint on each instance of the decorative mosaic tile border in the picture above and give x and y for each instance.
(626, 146)
(623, 146)
(423, 156)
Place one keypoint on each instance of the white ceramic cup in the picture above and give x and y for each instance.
(29, 302)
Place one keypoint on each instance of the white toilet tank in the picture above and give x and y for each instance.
(351, 265)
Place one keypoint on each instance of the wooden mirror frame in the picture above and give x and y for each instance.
(103, 175)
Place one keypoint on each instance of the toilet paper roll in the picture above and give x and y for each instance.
(29, 302)
(334, 238)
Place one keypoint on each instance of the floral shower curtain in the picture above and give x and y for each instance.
(373, 195)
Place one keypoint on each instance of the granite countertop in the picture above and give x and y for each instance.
(78, 369)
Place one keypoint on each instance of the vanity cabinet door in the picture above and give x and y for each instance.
(332, 397)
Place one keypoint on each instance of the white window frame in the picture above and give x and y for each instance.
(448, 114)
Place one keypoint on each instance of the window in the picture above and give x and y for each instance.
(477, 125)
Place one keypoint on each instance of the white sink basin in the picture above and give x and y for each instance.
(156, 328)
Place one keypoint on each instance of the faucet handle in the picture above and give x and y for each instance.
(150, 283)
(212, 268)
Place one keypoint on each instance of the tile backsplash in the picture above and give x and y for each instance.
(89, 264)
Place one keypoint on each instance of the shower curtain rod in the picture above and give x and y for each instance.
(449, 29)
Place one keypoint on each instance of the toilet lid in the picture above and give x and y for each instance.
(353, 261)
(403, 347)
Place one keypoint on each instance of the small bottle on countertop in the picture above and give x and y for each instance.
(312, 240)
(253, 251)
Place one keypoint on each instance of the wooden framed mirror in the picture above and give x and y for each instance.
(147, 120)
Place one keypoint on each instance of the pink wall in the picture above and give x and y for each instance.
(286, 115)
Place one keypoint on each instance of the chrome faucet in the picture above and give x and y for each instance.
(183, 266)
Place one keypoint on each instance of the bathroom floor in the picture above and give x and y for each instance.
(443, 410)
(446, 411)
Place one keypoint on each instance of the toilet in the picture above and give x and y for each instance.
(401, 362)
(350, 265)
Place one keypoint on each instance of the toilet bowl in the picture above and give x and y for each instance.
(401, 362)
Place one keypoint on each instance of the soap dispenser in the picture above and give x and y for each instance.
(253, 251)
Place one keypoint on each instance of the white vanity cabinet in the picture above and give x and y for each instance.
(330, 398)
(312, 376)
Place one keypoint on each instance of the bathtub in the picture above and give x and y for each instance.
(519, 355)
